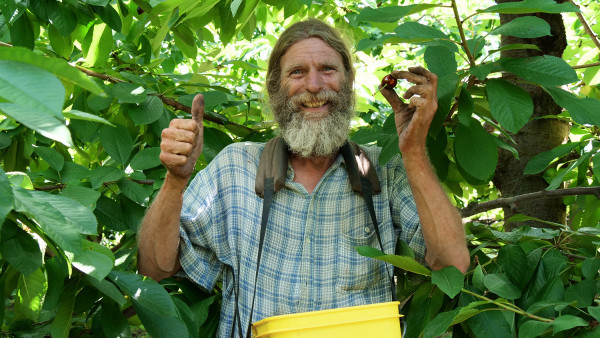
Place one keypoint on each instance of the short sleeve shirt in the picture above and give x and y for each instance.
(309, 261)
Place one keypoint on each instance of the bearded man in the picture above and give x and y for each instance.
(316, 219)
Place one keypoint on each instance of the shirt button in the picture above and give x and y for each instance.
(307, 241)
(367, 229)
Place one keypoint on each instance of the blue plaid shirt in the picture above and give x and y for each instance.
(308, 261)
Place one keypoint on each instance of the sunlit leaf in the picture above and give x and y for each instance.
(403, 262)
(524, 27)
(544, 70)
(512, 114)
(532, 6)
(449, 279)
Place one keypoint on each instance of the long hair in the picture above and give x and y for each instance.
(311, 28)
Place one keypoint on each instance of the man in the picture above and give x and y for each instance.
(316, 220)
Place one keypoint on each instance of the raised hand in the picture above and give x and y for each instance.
(413, 119)
(182, 142)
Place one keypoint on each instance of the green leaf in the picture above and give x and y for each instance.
(60, 68)
(21, 32)
(214, 141)
(583, 293)
(51, 156)
(582, 110)
(19, 249)
(82, 195)
(416, 32)
(114, 323)
(514, 46)
(30, 86)
(62, 17)
(558, 179)
(513, 262)
(79, 115)
(185, 41)
(146, 159)
(76, 215)
(129, 92)
(483, 70)
(109, 214)
(389, 147)
(438, 325)
(43, 123)
(390, 13)
(512, 114)
(478, 278)
(545, 70)
(135, 191)
(94, 260)
(533, 328)
(7, 200)
(54, 224)
(30, 296)
(501, 286)
(524, 27)
(105, 174)
(541, 161)
(590, 267)
(108, 289)
(147, 112)
(145, 291)
(449, 279)
(532, 6)
(567, 322)
(425, 303)
(475, 150)
(594, 312)
(403, 262)
(117, 142)
(62, 45)
(440, 60)
(100, 45)
(110, 16)
(61, 325)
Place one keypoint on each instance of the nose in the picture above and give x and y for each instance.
(314, 81)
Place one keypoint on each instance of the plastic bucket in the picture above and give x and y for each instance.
(380, 320)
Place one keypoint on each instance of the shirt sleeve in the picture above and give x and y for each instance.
(404, 209)
(203, 236)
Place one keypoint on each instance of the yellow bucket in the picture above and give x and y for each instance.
(380, 320)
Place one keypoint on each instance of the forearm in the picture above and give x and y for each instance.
(440, 221)
(158, 239)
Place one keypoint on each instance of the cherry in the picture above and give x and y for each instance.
(140, 11)
(388, 82)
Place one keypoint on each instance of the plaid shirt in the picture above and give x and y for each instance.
(308, 261)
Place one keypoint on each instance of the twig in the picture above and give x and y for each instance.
(512, 308)
(586, 27)
(589, 65)
(463, 39)
(475, 208)
(4, 44)
(62, 185)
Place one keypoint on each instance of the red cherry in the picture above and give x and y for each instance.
(388, 82)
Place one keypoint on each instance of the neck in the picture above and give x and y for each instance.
(308, 171)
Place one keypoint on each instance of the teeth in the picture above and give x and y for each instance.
(315, 104)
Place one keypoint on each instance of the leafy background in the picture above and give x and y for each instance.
(86, 86)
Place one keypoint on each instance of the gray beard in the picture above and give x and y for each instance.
(314, 137)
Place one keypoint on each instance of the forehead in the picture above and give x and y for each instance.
(310, 51)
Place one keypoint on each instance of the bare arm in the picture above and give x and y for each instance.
(440, 221)
(158, 239)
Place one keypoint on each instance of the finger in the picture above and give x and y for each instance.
(184, 124)
(175, 147)
(420, 90)
(410, 77)
(416, 102)
(424, 72)
(198, 108)
(393, 99)
(172, 160)
(180, 135)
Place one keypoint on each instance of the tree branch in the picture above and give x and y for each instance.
(589, 65)
(475, 208)
(586, 27)
(463, 39)
(62, 185)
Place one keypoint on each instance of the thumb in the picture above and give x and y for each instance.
(198, 108)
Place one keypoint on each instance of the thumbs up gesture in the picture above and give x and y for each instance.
(182, 142)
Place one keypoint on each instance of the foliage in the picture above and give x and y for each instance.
(86, 86)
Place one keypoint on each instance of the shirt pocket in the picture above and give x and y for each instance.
(356, 272)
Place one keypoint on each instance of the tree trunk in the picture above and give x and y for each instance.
(537, 135)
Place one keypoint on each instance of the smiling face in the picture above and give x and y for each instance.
(312, 66)
(315, 101)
